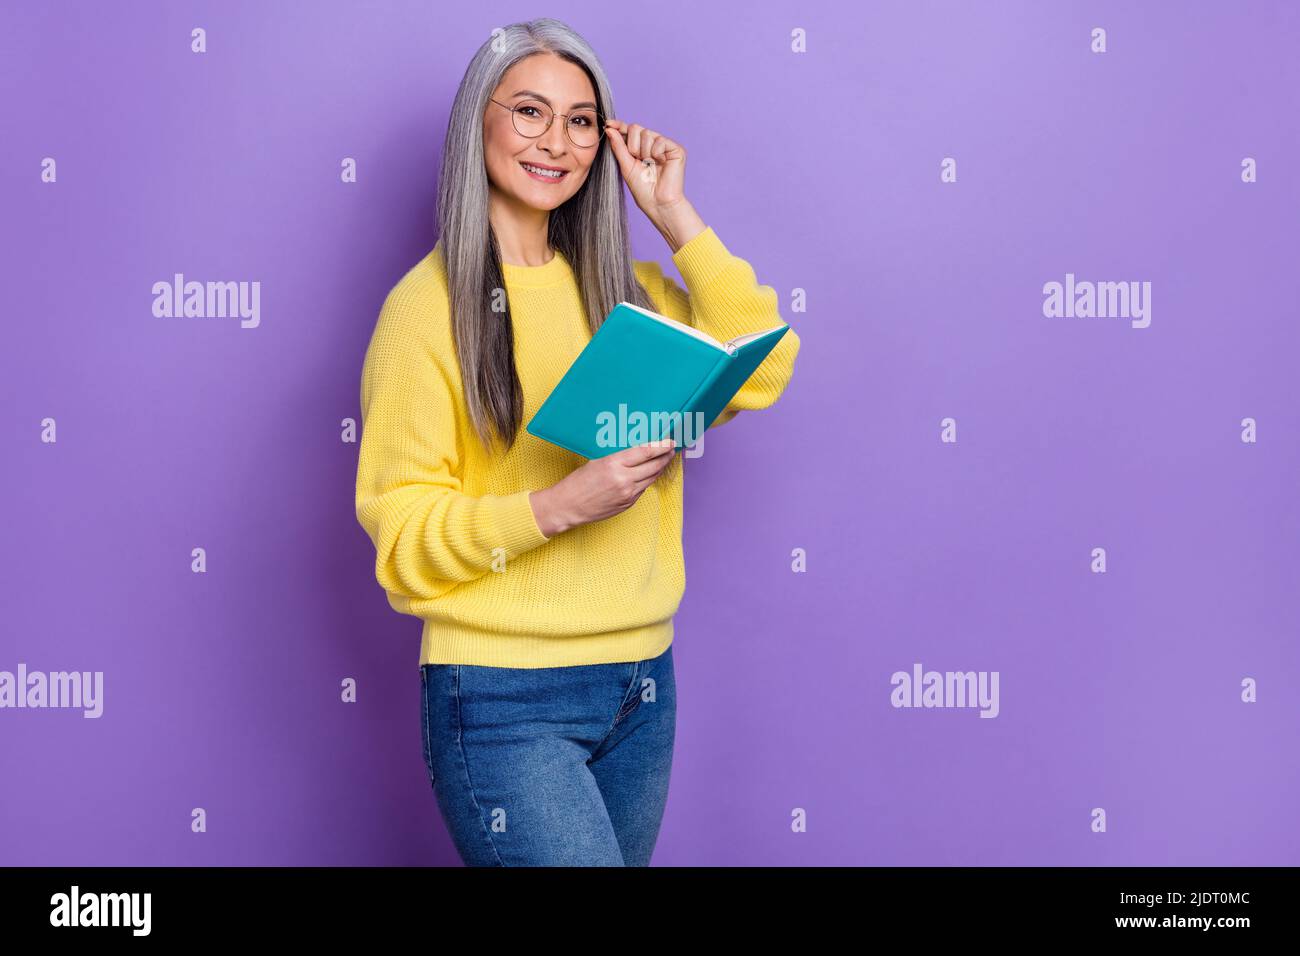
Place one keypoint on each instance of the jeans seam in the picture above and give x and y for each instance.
(464, 763)
(618, 714)
(424, 707)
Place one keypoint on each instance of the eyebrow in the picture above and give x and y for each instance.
(535, 95)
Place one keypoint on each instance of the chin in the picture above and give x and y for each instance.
(548, 200)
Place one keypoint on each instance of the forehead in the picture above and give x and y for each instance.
(559, 80)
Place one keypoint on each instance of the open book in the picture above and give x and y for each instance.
(643, 377)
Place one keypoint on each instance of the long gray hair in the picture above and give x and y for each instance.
(590, 229)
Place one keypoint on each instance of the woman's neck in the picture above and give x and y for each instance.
(521, 233)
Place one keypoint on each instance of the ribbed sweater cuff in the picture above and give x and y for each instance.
(702, 259)
(727, 300)
(512, 522)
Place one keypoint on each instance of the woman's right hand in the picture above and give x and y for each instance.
(601, 488)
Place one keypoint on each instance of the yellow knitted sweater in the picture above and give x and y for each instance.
(456, 540)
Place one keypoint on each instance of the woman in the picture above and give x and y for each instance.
(547, 583)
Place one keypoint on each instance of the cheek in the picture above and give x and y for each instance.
(498, 157)
(585, 171)
(498, 147)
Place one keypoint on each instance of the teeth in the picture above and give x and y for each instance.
(552, 173)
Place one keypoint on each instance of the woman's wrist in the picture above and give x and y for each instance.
(678, 224)
(550, 517)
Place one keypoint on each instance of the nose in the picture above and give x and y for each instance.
(553, 140)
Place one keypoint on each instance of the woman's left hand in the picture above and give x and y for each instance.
(654, 168)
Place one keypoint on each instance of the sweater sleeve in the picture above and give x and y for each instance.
(724, 298)
(429, 535)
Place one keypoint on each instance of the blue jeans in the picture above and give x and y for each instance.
(552, 766)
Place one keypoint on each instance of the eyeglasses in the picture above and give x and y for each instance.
(532, 119)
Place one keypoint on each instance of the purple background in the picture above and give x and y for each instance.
(1119, 691)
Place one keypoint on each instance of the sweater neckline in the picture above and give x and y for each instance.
(550, 273)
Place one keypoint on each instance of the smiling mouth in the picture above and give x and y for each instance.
(543, 174)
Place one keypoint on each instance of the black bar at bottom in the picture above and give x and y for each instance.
(338, 904)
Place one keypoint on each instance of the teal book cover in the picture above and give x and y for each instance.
(644, 376)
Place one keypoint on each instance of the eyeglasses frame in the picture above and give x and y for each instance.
(600, 118)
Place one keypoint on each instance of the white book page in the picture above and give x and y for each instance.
(688, 329)
(746, 339)
(727, 347)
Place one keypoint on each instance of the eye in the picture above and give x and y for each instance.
(523, 109)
